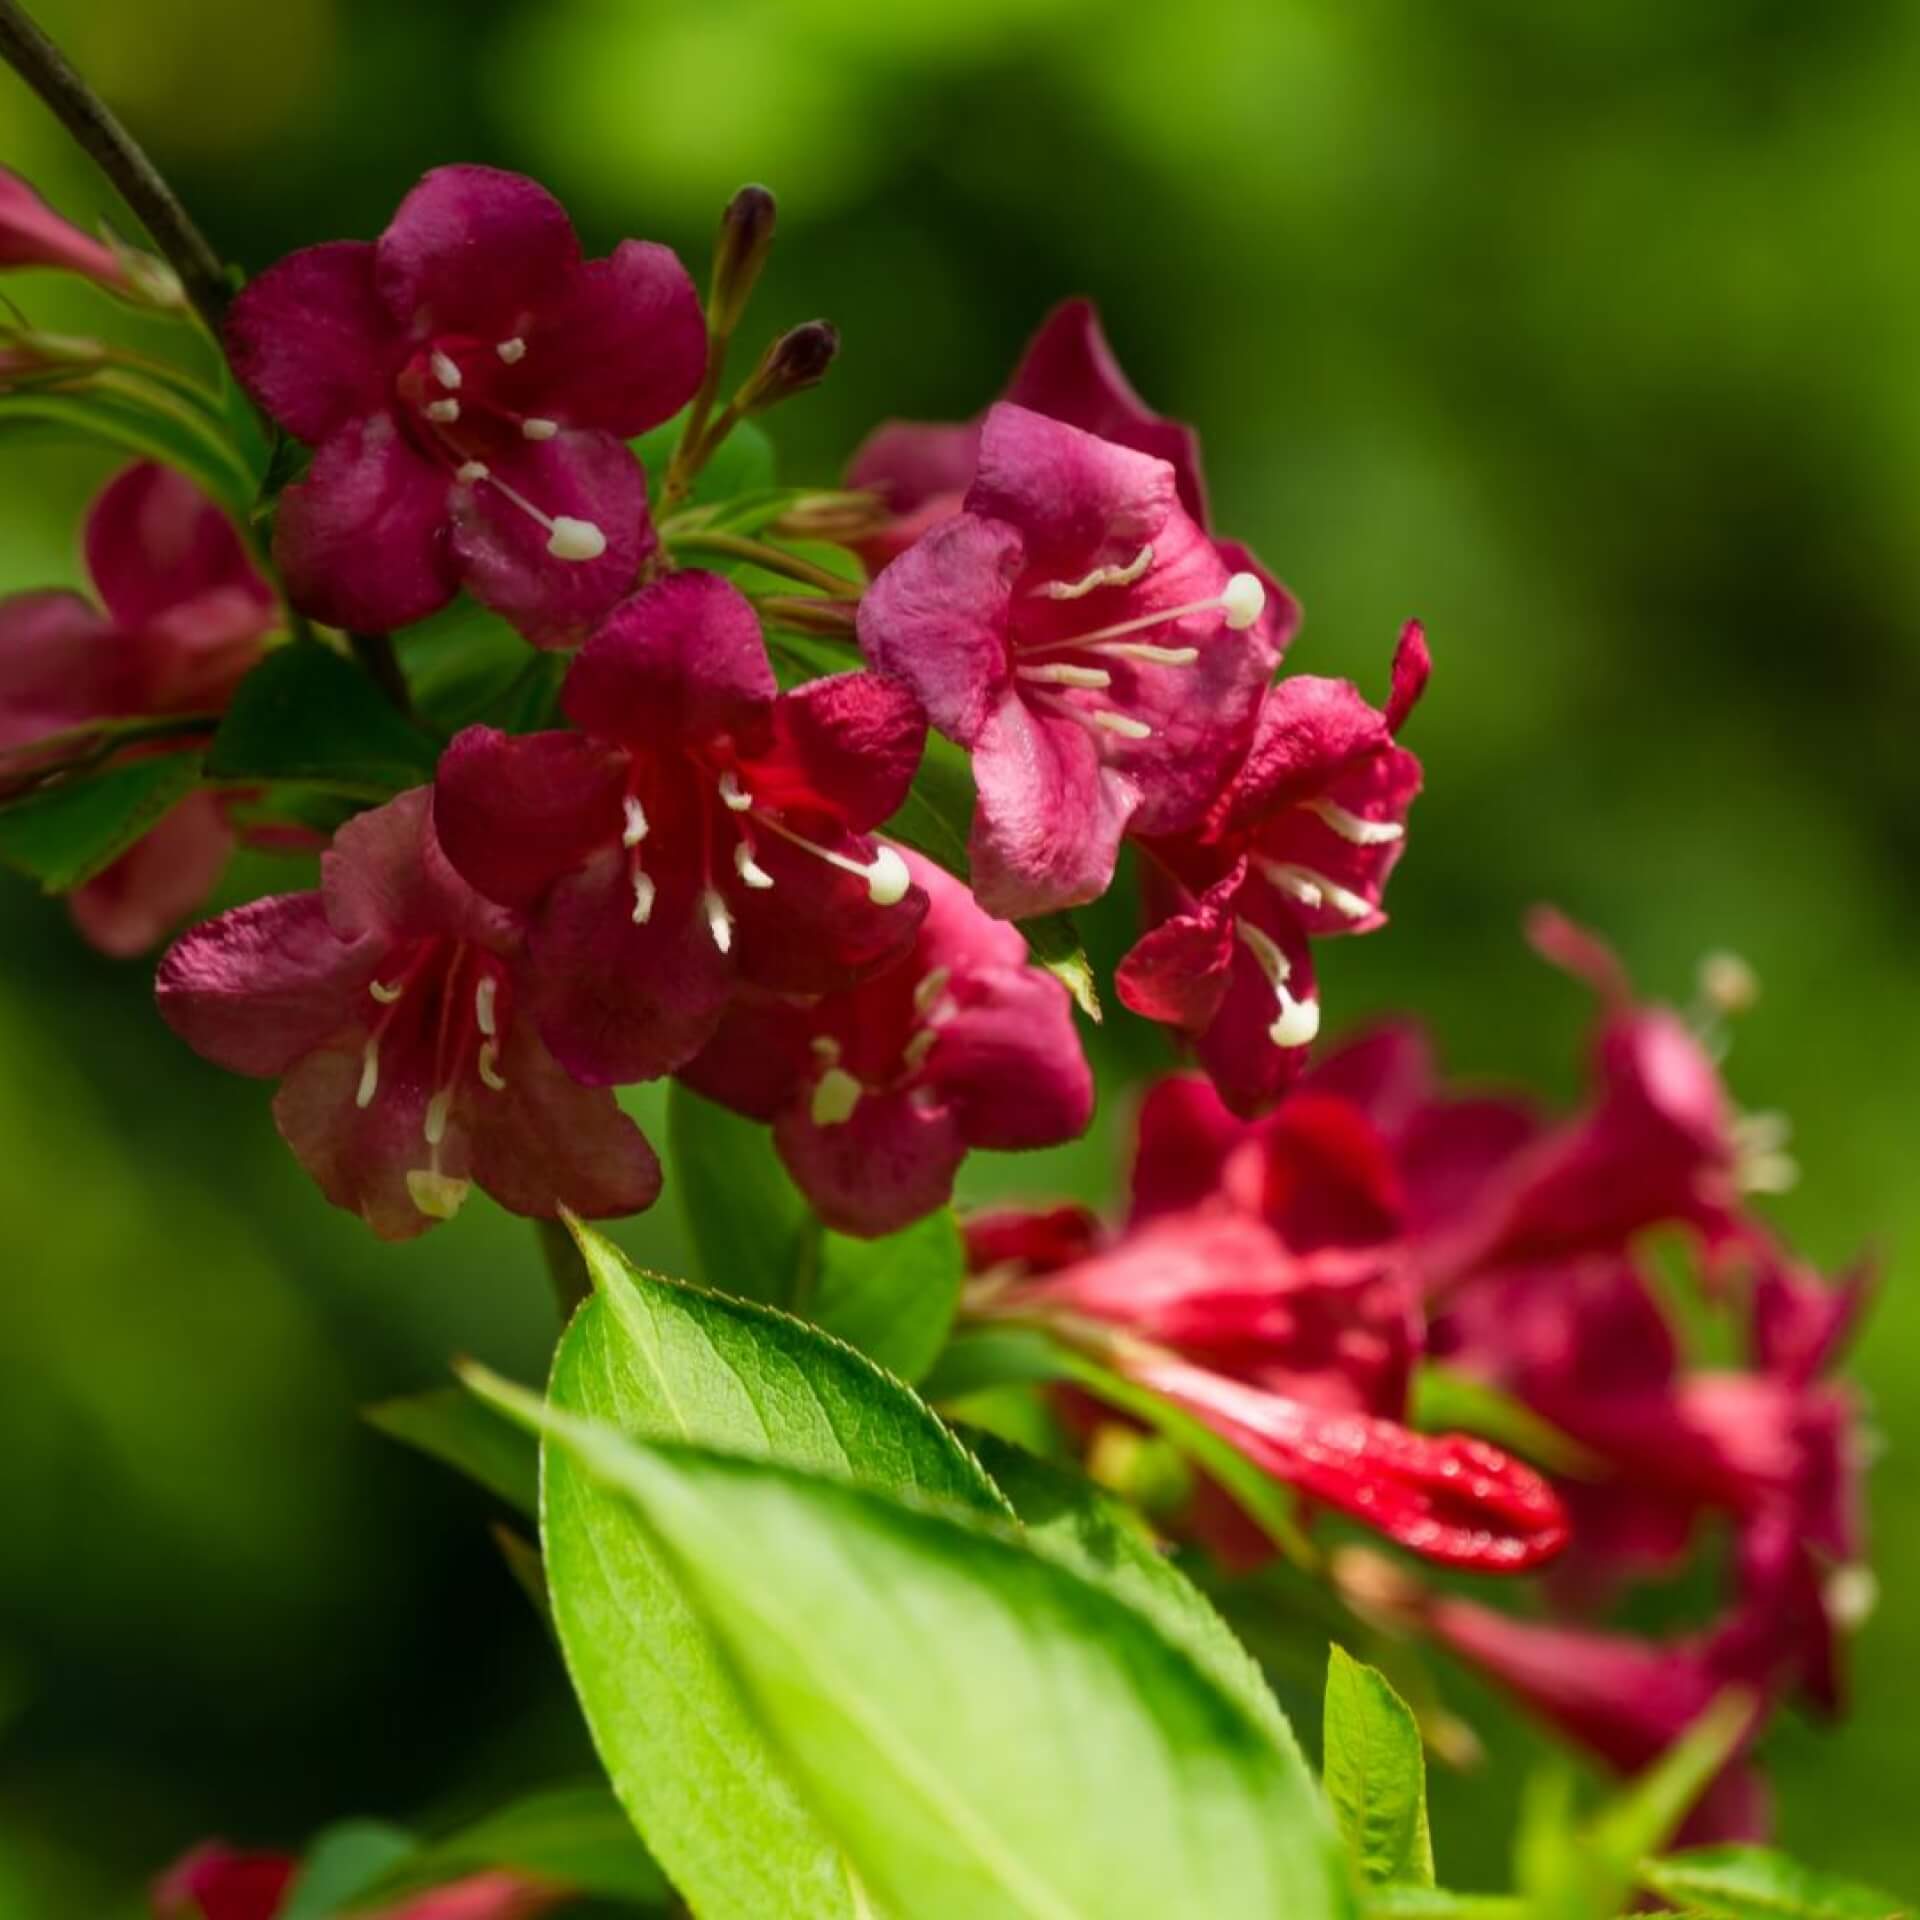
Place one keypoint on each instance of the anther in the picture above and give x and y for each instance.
(917, 1049)
(483, 1005)
(435, 1126)
(385, 994)
(1059, 674)
(472, 473)
(734, 797)
(1148, 654)
(369, 1074)
(575, 539)
(437, 1195)
(1298, 1020)
(719, 920)
(835, 1095)
(932, 986)
(749, 869)
(534, 428)
(1353, 828)
(1313, 889)
(1100, 577)
(1244, 600)
(826, 1048)
(636, 828)
(643, 892)
(886, 873)
(1124, 724)
(512, 351)
(442, 412)
(488, 1063)
(444, 370)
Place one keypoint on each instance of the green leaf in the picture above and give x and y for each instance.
(742, 464)
(147, 421)
(341, 1865)
(1436, 1903)
(986, 1732)
(752, 1230)
(1447, 1401)
(1376, 1775)
(690, 1763)
(1105, 1542)
(1756, 1883)
(893, 1298)
(1055, 942)
(454, 1428)
(937, 814)
(980, 1358)
(306, 715)
(66, 833)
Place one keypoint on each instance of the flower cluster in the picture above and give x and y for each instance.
(1278, 1279)
(217, 1882)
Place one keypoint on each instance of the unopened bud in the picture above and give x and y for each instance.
(840, 517)
(745, 239)
(799, 359)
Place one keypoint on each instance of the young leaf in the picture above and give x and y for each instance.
(1376, 1775)
(455, 1429)
(341, 1865)
(1055, 944)
(305, 714)
(893, 1298)
(986, 1732)
(752, 1230)
(66, 833)
(691, 1765)
(1755, 1883)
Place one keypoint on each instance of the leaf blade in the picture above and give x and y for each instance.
(1376, 1775)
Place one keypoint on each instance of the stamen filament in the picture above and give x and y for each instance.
(719, 920)
(886, 873)
(369, 1074)
(1243, 599)
(1313, 889)
(1100, 577)
(1355, 829)
(1298, 1020)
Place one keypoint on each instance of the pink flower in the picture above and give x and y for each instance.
(214, 1882)
(876, 1093)
(702, 832)
(182, 616)
(388, 1006)
(1081, 636)
(33, 235)
(469, 384)
(1301, 844)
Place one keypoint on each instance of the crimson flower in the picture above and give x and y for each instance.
(387, 1004)
(1080, 635)
(701, 832)
(216, 1882)
(876, 1093)
(468, 382)
(1300, 844)
(182, 614)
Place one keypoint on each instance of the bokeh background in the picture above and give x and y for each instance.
(1586, 333)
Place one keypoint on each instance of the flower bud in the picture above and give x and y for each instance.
(33, 235)
(746, 238)
(799, 359)
(831, 515)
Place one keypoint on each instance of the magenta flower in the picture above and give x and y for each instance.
(388, 1006)
(215, 1882)
(1300, 845)
(1080, 635)
(702, 832)
(182, 616)
(468, 383)
(876, 1093)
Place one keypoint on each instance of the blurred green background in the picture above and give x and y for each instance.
(1585, 332)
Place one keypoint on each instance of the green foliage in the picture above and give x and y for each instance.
(1755, 1883)
(343, 1864)
(1376, 1775)
(455, 1429)
(742, 464)
(67, 832)
(752, 1230)
(893, 1298)
(1448, 1401)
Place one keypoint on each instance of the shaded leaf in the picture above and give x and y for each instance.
(65, 833)
(1756, 1883)
(751, 1228)
(893, 1298)
(341, 1865)
(455, 1429)
(1376, 1775)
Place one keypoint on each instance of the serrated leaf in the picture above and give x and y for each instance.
(1376, 1775)
(455, 1429)
(691, 1766)
(1757, 1883)
(893, 1298)
(306, 715)
(986, 1732)
(65, 833)
(751, 1228)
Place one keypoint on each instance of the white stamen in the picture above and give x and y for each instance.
(483, 1008)
(1242, 600)
(1851, 1593)
(636, 828)
(490, 1076)
(931, 987)
(643, 892)
(1313, 889)
(512, 351)
(576, 539)
(1727, 983)
(719, 920)
(1298, 1020)
(749, 869)
(444, 370)
(1353, 828)
(444, 412)
(436, 1194)
(471, 473)
(438, 1108)
(1062, 675)
(1148, 654)
(385, 994)
(886, 873)
(369, 1074)
(1100, 577)
(915, 1055)
(826, 1048)
(835, 1095)
(1124, 724)
(732, 795)
(534, 428)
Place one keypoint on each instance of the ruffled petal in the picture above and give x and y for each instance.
(363, 541)
(847, 745)
(626, 346)
(1308, 731)
(679, 664)
(61, 664)
(956, 934)
(475, 250)
(504, 552)
(513, 813)
(911, 462)
(1178, 972)
(1256, 1045)
(759, 1059)
(154, 541)
(385, 877)
(1008, 1062)
(1047, 829)
(194, 655)
(135, 903)
(311, 341)
(1184, 1136)
(259, 987)
(888, 1164)
(936, 619)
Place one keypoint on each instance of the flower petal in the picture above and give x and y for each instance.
(474, 250)
(680, 663)
(911, 462)
(1009, 1064)
(1184, 1136)
(1238, 1049)
(888, 1164)
(135, 903)
(848, 745)
(1047, 829)
(513, 813)
(33, 235)
(154, 541)
(759, 1059)
(1179, 972)
(626, 346)
(61, 664)
(936, 619)
(215, 1882)
(362, 541)
(385, 876)
(312, 343)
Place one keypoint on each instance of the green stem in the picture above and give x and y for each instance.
(381, 664)
(93, 124)
(771, 559)
(565, 1268)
